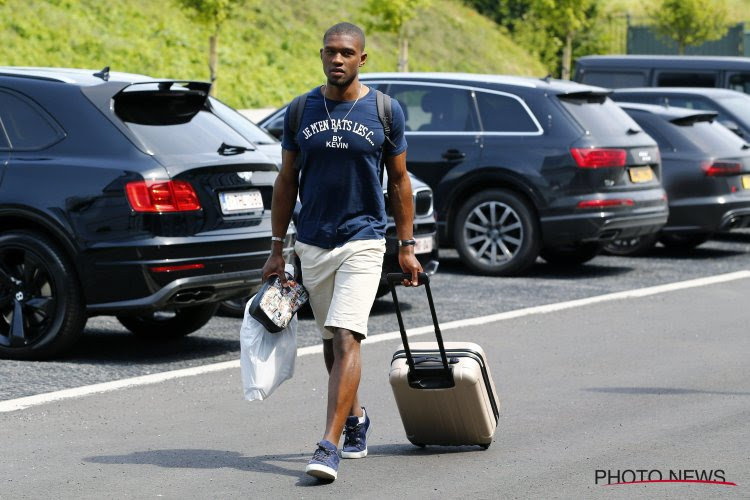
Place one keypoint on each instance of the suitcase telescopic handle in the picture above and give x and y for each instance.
(424, 279)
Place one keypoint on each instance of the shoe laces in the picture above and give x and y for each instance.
(351, 436)
(322, 454)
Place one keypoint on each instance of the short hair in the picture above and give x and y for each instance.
(345, 29)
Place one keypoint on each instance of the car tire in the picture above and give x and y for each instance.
(234, 308)
(683, 241)
(571, 255)
(42, 312)
(169, 324)
(496, 233)
(632, 247)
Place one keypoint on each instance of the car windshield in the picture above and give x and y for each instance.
(739, 106)
(175, 123)
(251, 131)
(712, 137)
(599, 116)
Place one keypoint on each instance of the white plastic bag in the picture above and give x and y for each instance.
(266, 359)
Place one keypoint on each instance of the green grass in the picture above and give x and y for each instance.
(268, 51)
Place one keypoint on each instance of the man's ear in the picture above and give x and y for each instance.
(362, 59)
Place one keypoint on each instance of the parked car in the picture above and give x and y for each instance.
(425, 229)
(705, 171)
(522, 167)
(622, 71)
(732, 108)
(122, 195)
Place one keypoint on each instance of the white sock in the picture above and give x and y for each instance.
(362, 418)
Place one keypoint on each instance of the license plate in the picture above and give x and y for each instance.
(236, 202)
(746, 182)
(641, 174)
(423, 245)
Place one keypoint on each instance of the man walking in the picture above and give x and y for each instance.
(333, 160)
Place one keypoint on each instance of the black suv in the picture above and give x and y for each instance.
(522, 166)
(705, 171)
(732, 108)
(122, 195)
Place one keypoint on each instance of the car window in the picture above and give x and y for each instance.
(740, 82)
(175, 123)
(26, 126)
(599, 116)
(501, 113)
(642, 98)
(615, 79)
(690, 102)
(650, 125)
(251, 131)
(712, 137)
(739, 104)
(429, 108)
(685, 79)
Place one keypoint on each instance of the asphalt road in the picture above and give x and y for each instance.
(653, 383)
(108, 352)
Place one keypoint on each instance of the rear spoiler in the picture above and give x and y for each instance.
(706, 116)
(598, 96)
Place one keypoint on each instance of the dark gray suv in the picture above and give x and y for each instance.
(521, 167)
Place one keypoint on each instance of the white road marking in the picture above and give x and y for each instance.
(39, 399)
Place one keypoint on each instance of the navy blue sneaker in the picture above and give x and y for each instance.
(324, 463)
(355, 437)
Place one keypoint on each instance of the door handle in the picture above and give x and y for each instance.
(453, 154)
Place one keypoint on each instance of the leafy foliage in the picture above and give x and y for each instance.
(392, 16)
(269, 50)
(690, 22)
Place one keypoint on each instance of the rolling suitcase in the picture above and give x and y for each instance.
(444, 391)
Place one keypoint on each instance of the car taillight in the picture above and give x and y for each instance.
(162, 196)
(617, 202)
(719, 168)
(599, 157)
(183, 267)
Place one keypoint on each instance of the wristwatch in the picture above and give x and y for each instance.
(406, 243)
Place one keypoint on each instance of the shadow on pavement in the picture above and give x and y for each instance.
(661, 391)
(292, 465)
(208, 459)
(541, 269)
(104, 346)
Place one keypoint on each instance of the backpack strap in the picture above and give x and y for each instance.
(296, 108)
(385, 113)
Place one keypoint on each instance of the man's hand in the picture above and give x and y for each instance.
(274, 265)
(409, 264)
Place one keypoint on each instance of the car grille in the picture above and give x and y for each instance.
(422, 203)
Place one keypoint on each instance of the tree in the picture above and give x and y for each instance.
(211, 13)
(690, 22)
(564, 20)
(393, 16)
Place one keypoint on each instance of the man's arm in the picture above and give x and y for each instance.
(402, 202)
(282, 207)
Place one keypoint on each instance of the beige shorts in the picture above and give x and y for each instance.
(342, 283)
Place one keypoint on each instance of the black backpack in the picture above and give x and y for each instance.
(382, 104)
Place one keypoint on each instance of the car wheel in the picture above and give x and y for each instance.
(496, 233)
(683, 241)
(571, 255)
(632, 247)
(234, 308)
(41, 306)
(169, 324)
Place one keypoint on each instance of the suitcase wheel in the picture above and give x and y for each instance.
(485, 446)
(421, 445)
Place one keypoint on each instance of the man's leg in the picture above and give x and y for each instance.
(343, 382)
(328, 356)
